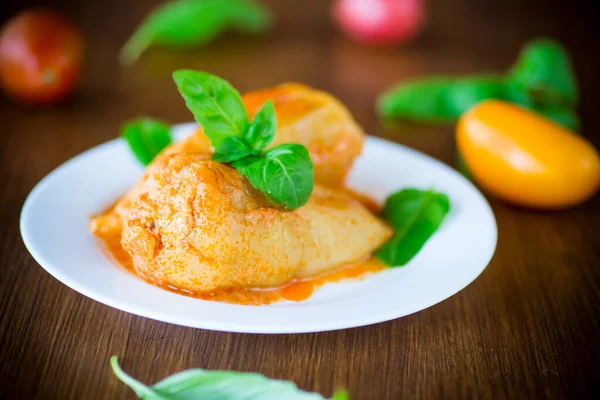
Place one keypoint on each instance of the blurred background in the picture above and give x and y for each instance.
(457, 37)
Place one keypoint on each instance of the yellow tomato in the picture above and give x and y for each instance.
(524, 158)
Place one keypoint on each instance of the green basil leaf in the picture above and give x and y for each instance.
(544, 70)
(438, 100)
(231, 149)
(215, 104)
(248, 165)
(285, 174)
(261, 131)
(340, 395)
(187, 23)
(466, 92)
(562, 116)
(418, 101)
(146, 138)
(199, 384)
(415, 215)
(516, 94)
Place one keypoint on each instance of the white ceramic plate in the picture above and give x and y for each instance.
(55, 217)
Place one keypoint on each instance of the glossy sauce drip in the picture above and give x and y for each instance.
(297, 290)
(303, 289)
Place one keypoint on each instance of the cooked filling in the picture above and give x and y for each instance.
(198, 226)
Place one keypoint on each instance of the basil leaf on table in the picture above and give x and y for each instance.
(562, 116)
(415, 215)
(438, 100)
(441, 100)
(542, 80)
(199, 384)
(215, 104)
(261, 131)
(187, 23)
(285, 174)
(517, 94)
(418, 101)
(544, 70)
(233, 148)
(146, 138)
(340, 395)
(464, 93)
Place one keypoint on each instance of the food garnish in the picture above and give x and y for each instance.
(415, 215)
(284, 173)
(146, 138)
(200, 384)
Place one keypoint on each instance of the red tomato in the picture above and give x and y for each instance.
(379, 21)
(40, 57)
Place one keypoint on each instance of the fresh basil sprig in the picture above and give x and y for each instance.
(215, 104)
(285, 173)
(415, 216)
(261, 131)
(196, 384)
(231, 149)
(146, 138)
(188, 23)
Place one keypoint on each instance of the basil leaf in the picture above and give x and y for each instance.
(146, 138)
(248, 165)
(466, 92)
(197, 384)
(285, 174)
(562, 116)
(231, 149)
(416, 215)
(438, 100)
(418, 101)
(340, 395)
(517, 94)
(187, 23)
(215, 104)
(262, 129)
(544, 70)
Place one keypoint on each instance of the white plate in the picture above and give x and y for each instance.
(55, 217)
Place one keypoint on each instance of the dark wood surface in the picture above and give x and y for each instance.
(528, 327)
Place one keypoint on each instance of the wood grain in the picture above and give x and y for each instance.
(528, 327)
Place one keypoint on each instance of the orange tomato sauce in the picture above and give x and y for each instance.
(296, 290)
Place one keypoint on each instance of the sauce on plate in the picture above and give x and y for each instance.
(296, 290)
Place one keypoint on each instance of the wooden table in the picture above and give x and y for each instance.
(528, 327)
